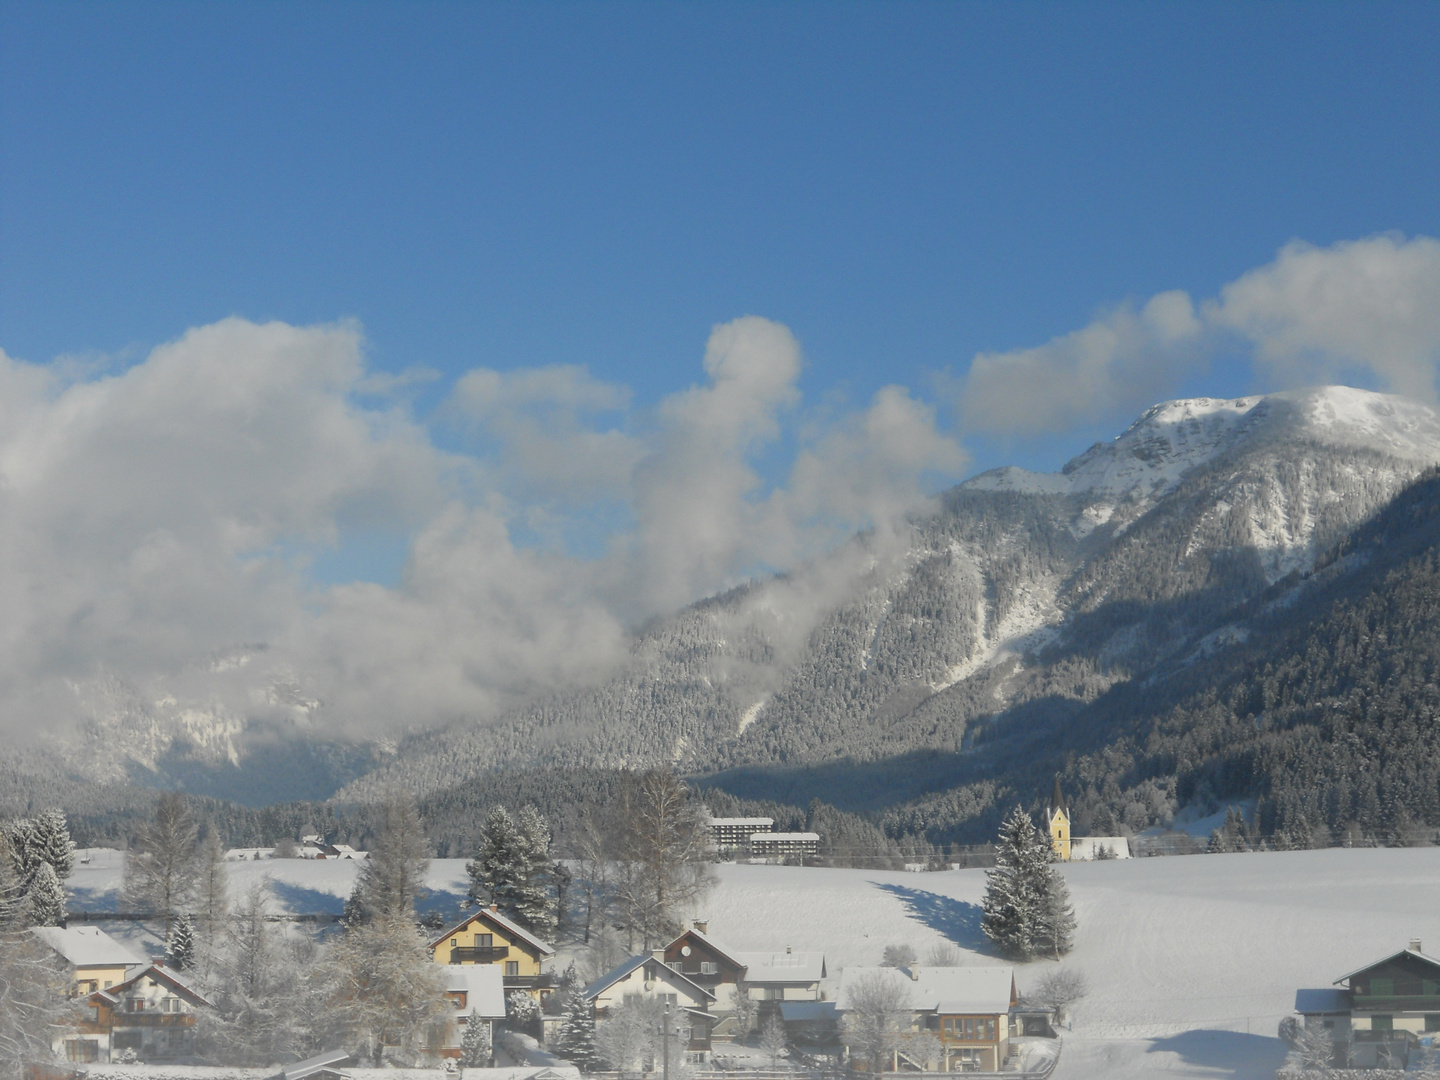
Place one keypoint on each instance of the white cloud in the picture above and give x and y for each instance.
(1367, 308)
(149, 519)
(1117, 365)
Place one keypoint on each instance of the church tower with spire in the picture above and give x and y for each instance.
(1057, 817)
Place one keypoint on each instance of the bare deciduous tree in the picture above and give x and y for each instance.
(1058, 990)
(34, 1005)
(393, 876)
(663, 853)
(162, 868)
(876, 1017)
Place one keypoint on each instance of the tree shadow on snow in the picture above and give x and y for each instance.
(1243, 1055)
(298, 900)
(958, 920)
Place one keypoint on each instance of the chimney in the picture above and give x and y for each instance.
(1415, 945)
(787, 950)
(658, 954)
(495, 908)
(915, 972)
(702, 926)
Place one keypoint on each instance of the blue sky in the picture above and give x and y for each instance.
(903, 185)
(672, 295)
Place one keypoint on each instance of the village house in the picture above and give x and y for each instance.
(1379, 1014)
(487, 937)
(966, 1009)
(477, 987)
(96, 960)
(771, 977)
(785, 975)
(151, 1012)
(648, 976)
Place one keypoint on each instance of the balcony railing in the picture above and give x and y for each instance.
(486, 955)
(529, 982)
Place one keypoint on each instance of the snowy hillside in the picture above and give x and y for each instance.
(1192, 961)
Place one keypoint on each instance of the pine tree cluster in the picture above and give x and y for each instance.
(39, 858)
(514, 870)
(1027, 910)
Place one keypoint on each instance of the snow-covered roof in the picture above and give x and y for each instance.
(610, 978)
(808, 1011)
(782, 967)
(1310, 1002)
(742, 821)
(499, 920)
(326, 1062)
(940, 990)
(86, 946)
(160, 972)
(727, 953)
(1385, 960)
(483, 986)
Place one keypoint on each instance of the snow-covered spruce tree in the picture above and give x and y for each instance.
(475, 1042)
(577, 1030)
(180, 947)
(53, 844)
(24, 848)
(1055, 932)
(12, 893)
(535, 902)
(34, 1003)
(1015, 890)
(45, 902)
(353, 914)
(496, 870)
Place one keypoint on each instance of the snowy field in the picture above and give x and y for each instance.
(1192, 961)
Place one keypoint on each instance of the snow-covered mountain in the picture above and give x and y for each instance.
(871, 678)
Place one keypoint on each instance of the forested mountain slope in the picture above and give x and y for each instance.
(936, 678)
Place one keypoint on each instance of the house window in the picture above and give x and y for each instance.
(484, 941)
(1382, 1022)
(676, 966)
(1432, 1021)
(135, 1005)
(454, 942)
(94, 1014)
(1329, 1025)
(512, 967)
(990, 1029)
(82, 1050)
(458, 999)
(1382, 987)
(947, 1026)
(1428, 987)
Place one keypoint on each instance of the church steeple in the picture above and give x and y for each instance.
(1057, 800)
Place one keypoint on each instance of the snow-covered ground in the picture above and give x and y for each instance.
(1192, 961)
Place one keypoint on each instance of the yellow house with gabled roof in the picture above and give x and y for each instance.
(488, 937)
(1057, 819)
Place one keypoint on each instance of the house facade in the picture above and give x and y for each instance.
(152, 1012)
(707, 964)
(784, 845)
(966, 1010)
(649, 977)
(1379, 1014)
(732, 834)
(783, 975)
(488, 937)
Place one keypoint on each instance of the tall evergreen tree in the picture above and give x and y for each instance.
(535, 902)
(496, 870)
(577, 1030)
(1056, 930)
(45, 901)
(180, 947)
(24, 844)
(52, 842)
(212, 886)
(1017, 887)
